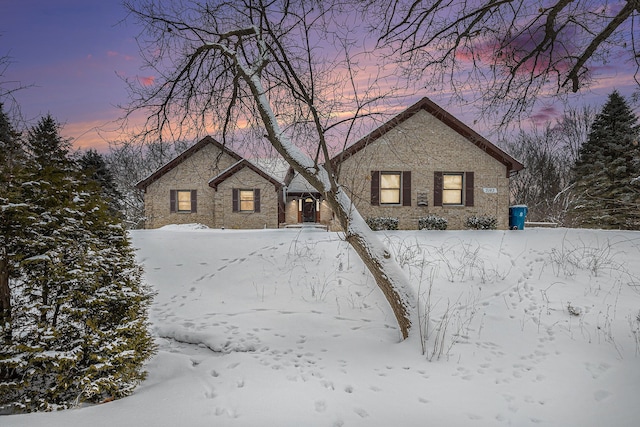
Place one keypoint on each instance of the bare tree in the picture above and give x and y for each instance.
(271, 67)
(508, 52)
(545, 186)
(130, 163)
(573, 130)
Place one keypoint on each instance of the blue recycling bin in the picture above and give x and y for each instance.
(517, 215)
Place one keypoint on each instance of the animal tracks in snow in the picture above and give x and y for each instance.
(294, 327)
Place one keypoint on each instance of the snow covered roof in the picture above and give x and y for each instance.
(298, 184)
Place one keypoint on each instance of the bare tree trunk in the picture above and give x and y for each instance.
(5, 298)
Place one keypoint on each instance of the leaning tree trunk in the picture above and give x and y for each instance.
(380, 263)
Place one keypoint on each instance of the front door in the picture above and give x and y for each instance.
(309, 210)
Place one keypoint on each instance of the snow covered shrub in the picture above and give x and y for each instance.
(432, 222)
(378, 223)
(481, 222)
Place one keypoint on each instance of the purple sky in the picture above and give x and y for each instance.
(75, 53)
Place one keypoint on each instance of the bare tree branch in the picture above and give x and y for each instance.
(256, 70)
(507, 52)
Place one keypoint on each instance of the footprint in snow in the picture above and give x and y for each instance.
(361, 412)
(320, 405)
(601, 395)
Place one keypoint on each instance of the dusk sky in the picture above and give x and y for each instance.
(74, 55)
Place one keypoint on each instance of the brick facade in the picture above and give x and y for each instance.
(246, 179)
(420, 145)
(423, 144)
(193, 173)
(195, 169)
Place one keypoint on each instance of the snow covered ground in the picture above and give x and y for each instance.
(285, 328)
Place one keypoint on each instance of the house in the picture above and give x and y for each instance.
(422, 162)
(212, 185)
(425, 162)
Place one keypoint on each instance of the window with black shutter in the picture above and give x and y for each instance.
(453, 188)
(391, 188)
(245, 200)
(183, 201)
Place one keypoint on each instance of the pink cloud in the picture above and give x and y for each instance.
(112, 53)
(544, 115)
(146, 81)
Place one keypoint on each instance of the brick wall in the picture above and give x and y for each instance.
(193, 173)
(423, 144)
(246, 179)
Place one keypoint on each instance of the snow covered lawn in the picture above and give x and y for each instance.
(285, 328)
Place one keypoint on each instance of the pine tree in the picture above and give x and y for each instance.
(95, 168)
(606, 193)
(80, 318)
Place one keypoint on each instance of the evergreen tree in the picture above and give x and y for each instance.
(95, 168)
(607, 196)
(80, 317)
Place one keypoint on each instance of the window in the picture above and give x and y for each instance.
(452, 189)
(245, 200)
(391, 188)
(183, 201)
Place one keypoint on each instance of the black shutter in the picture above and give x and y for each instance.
(437, 189)
(406, 188)
(194, 201)
(468, 188)
(172, 201)
(375, 188)
(256, 200)
(234, 199)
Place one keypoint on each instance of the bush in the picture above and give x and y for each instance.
(378, 223)
(481, 222)
(432, 222)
